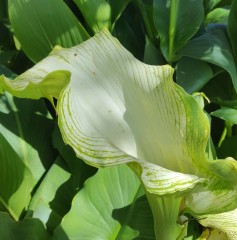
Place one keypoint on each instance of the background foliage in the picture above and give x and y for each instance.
(53, 194)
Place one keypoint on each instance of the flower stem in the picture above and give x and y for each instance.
(165, 211)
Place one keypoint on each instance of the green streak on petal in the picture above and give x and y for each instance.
(225, 222)
(32, 85)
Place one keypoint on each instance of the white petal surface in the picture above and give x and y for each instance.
(117, 109)
(162, 181)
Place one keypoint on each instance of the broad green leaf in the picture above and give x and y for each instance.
(232, 27)
(52, 200)
(69, 156)
(100, 204)
(213, 47)
(214, 88)
(29, 147)
(97, 13)
(117, 8)
(129, 32)
(226, 103)
(227, 114)
(19, 123)
(145, 220)
(15, 180)
(176, 22)
(210, 4)
(192, 74)
(40, 25)
(218, 15)
(152, 55)
(27, 229)
(146, 8)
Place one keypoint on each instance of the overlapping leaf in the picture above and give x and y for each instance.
(176, 24)
(24, 157)
(105, 198)
(214, 48)
(40, 25)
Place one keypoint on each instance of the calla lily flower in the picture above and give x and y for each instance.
(113, 109)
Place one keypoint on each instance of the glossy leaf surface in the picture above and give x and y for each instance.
(192, 74)
(214, 48)
(49, 23)
(97, 13)
(105, 198)
(24, 157)
(176, 24)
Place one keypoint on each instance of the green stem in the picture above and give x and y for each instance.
(172, 23)
(165, 211)
(227, 132)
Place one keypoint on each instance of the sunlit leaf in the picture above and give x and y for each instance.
(97, 13)
(26, 150)
(49, 203)
(40, 25)
(52, 200)
(218, 15)
(15, 180)
(105, 197)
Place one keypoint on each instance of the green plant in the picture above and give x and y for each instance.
(113, 109)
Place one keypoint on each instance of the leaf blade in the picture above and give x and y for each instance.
(176, 24)
(109, 190)
(47, 29)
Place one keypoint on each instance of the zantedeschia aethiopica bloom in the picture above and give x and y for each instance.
(114, 109)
